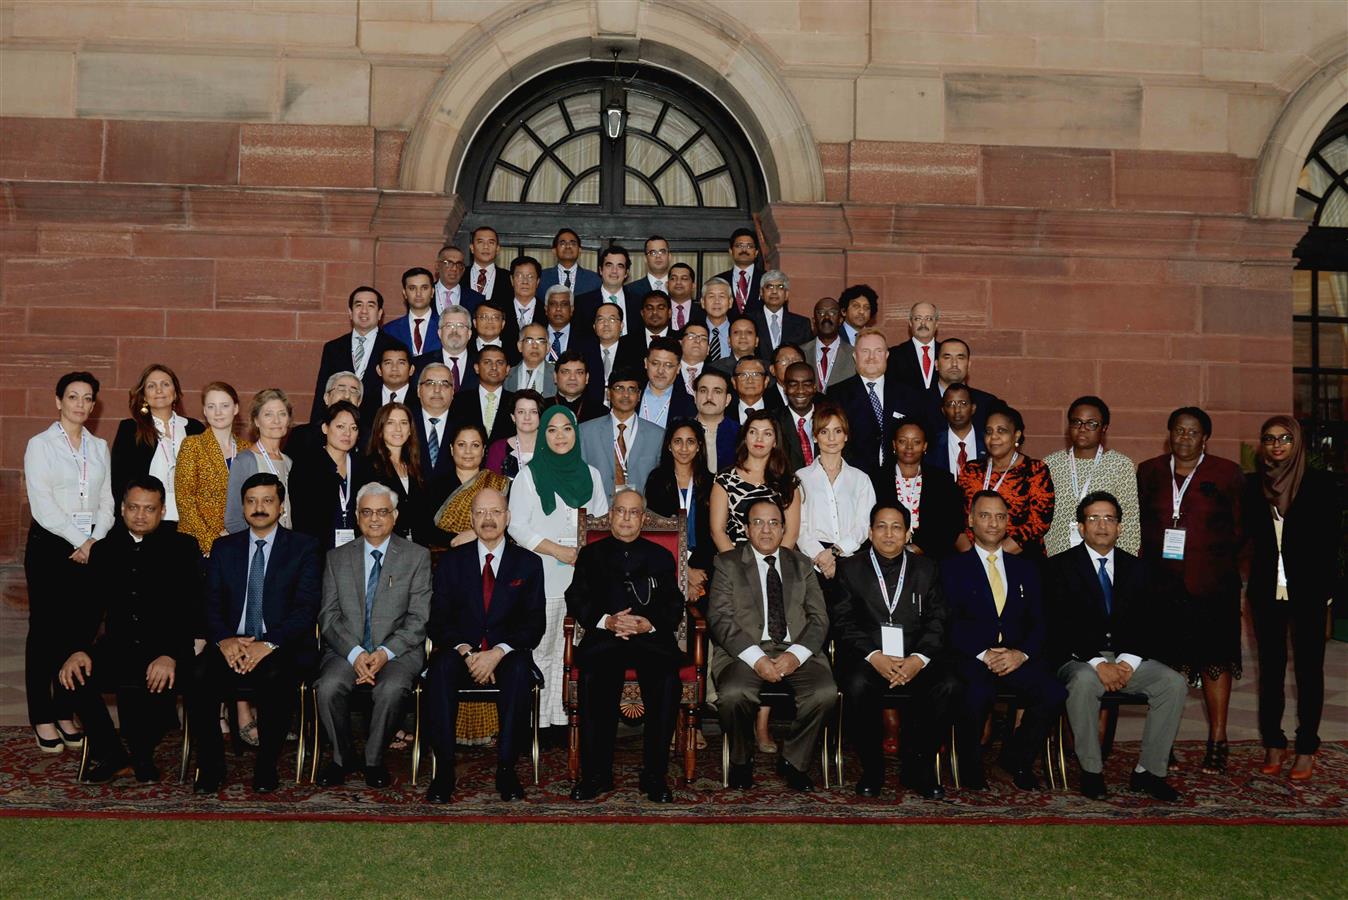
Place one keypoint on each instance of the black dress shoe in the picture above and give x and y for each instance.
(868, 787)
(973, 781)
(332, 775)
(146, 772)
(208, 782)
(441, 790)
(103, 772)
(741, 776)
(377, 776)
(926, 788)
(508, 785)
(265, 779)
(657, 792)
(1025, 779)
(586, 790)
(1093, 785)
(795, 779)
(1147, 783)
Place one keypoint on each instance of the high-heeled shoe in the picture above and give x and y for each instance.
(1274, 766)
(73, 740)
(48, 745)
(1214, 760)
(1304, 775)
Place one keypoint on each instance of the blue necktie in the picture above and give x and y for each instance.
(556, 345)
(257, 574)
(1108, 587)
(433, 442)
(371, 588)
(876, 406)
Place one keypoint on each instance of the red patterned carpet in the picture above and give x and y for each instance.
(37, 784)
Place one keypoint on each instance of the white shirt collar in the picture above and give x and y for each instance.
(382, 548)
(1096, 557)
(496, 552)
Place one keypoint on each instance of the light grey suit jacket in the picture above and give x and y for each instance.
(735, 612)
(545, 385)
(842, 362)
(643, 453)
(401, 606)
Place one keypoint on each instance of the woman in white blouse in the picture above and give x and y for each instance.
(148, 443)
(68, 473)
(270, 414)
(544, 501)
(835, 514)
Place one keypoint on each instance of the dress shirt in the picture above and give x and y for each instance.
(438, 427)
(753, 653)
(888, 568)
(819, 346)
(612, 351)
(952, 449)
(531, 378)
(931, 350)
(709, 441)
(449, 358)
(650, 336)
(445, 297)
(494, 342)
(482, 551)
(566, 337)
(795, 418)
(835, 512)
(368, 350)
(773, 318)
(724, 331)
(489, 270)
(745, 410)
(1001, 570)
(674, 307)
(735, 283)
(388, 396)
(269, 540)
(657, 284)
(165, 460)
(524, 312)
(615, 296)
(369, 567)
(425, 320)
(567, 277)
(629, 434)
(482, 394)
(655, 406)
(52, 477)
(848, 334)
(690, 374)
(1131, 659)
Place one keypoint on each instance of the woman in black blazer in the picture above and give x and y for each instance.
(681, 480)
(1293, 514)
(323, 484)
(394, 460)
(929, 493)
(149, 441)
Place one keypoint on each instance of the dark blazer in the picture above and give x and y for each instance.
(502, 290)
(130, 458)
(401, 329)
(1074, 603)
(1311, 536)
(941, 509)
(681, 404)
(337, 358)
(772, 402)
(1211, 517)
(586, 280)
(444, 461)
(859, 609)
(315, 500)
(907, 368)
(796, 329)
(467, 374)
(589, 405)
(636, 342)
(662, 498)
(868, 438)
(587, 303)
(291, 592)
(600, 586)
(150, 600)
(972, 614)
(510, 334)
(467, 408)
(754, 284)
(938, 446)
(517, 614)
(409, 499)
(626, 355)
(727, 436)
(735, 611)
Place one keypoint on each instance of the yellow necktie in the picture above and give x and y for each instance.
(995, 582)
(489, 419)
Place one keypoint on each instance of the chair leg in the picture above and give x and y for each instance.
(838, 746)
(303, 735)
(537, 717)
(416, 732)
(1111, 725)
(725, 759)
(954, 759)
(84, 759)
(573, 745)
(186, 748)
(688, 716)
(317, 741)
(1062, 752)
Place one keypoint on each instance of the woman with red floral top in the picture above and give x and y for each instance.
(1023, 482)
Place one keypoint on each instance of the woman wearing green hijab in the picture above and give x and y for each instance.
(544, 501)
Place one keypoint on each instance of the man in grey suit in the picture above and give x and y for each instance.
(622, 446)
(534, 371)
(832, 358)
(376, 600)
(768, 619)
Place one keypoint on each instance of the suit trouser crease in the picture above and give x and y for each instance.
(1166, 692)
(332, 692)
(1039, 695)
(738, 703)
(448, 673)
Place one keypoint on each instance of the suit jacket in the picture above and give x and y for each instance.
(401, 329)
(662, 498)
(907, 368)
(772, 402)
(938, 446)
(842, 363)
(469, 299)
(467, 408)
(941, 516)
(613, 575)
(337, 358)
(467, 374)
(545, 381)
(982, 400)
(401, 606)
(586, 280)
(869, 439)
(681, 405)
(972, 613)
(410, 499)
(643, 453)
(516, 617)
(727, 436)
(1311, 534)
(131, 458)
(859, 609)
(636, 342)
(735, 613)
(510, 334)
(796, 329)
(625, 355)
(754, 284)
(314, 496)
(291, 589)
(587, 303)
(445, 460)
(502, 291)
(1079, 626)
(587, 406)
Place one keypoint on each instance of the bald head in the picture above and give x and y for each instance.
(491, 515)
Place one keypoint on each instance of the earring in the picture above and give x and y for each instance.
(144, 407)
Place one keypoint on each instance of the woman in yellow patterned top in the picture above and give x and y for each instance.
(202, 476)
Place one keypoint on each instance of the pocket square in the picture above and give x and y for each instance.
(518, 582)
(898, 415)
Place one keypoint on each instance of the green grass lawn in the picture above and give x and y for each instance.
(184, 858)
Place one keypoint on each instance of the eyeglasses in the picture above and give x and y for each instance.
(956, 404)
(743, 245)
(624, 389)
(534, 341)
(750, 376)
(1108, 520)
(452, 263)
(456, 326)
(565, 242)
(696, 338)
(1269, 440)
(922, 318)
(765, 523)
(437, 384)
(1086, 424)
(610, 320)
(657, 252)
(382, 513)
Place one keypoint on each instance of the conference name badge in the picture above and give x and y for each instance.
(341, 536)
(84, 521)
(891, 640)
(1173, 545)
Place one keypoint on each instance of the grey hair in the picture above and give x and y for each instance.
(628, 489)
(435, 365)
(332, 381)
(457, 310)
(556, 289)
(715, 280)
(776, 276)
(375, 487)
(936, 309)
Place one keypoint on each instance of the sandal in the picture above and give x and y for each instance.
(1214, 760)
(248, 733)
(401, 740)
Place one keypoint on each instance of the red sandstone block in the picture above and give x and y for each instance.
(13, 320)
(1135, 447)
(805, 292)
(306, 155)
(83, 204)
(1246, 386)
(1204, 347)
(875, 264)
(332, 249)
(248, 365)
(834, 159)
(172, 152)
(96, 321)
(1193, 182)
(1094, 345)
(388, 152)
(988, 342)
(145, 283)
(1159, 384)
(243, 208)
(1093, 307)
(240, 324)
(14, 402)
(321, 326)
(1130, 270)
(61, 241)
(388, 281)
(340, 279)
(37, 361)
(1266, 350)
(1035, 382)
(18, 241)
(1004, 265)
(15, 433)
(1246, 311)
(409, 253)
(51, 149)
(962, 301)
(269, 284)
(868, 226)
(209, 246)
(1041, 177)
(1230, 273)
(897, 172)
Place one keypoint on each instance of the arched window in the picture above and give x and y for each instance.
(680, 167)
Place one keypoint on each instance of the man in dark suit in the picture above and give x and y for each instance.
(775, 322)
(484, 276)
(874, 404)
(487, 616)
(832, 357)
(358, 350)
(524, 308)
(681, 285)
(1102, 632)
(654, 323)
(395, 386)
(746, 275)
(660, 273)
(859, 304)
(308, 438)
(490, 404)
(431, 418)
(890, 638)
(456, 351)
(614, 264)
(751, 380)
(914, 361)
(488, 327)
(626, 596)
(716, 308)
(720, 431)
(955, 439)
(952, 367)
(744, 341)
(136, 637)
(376, 600)
(609, 352)
(563, 334)
(262, 594)
(573, 388)
(419, 328)
(567, 272)
(998, 632)
(450, 266)
(768, 620)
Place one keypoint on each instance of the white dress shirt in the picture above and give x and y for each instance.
(164, 463)
(531, 378)
(819, 346)
(690, 374)
(52, 474)
(753, 653)
(650, 335)
(724, 331)
(269, 541)
(1131, 659)
(490, 270)
(952, 449)
(369, 567)
(367, 351)
(615, 296)
(567, 277)
(565, 332)
(745, 410)
(425, 320)
(773, 319)
(735, 283)
(834, 512)
(629, 433)
(495, 551)
(931, 350)
(494, 342)
(849, 334)
(438, 427)
(445, 297)
(389, 396)
(524, 312)
(462, 358)
(674, 307)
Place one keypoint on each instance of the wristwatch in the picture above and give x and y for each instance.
(270, 645)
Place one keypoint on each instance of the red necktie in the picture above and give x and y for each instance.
(488, 585)
(742, 292)
(416, 335)
(823, 365)
(481, 279)
(454, 367)
(963, 457)
(926, 361)
(805, 450)
(681, 322)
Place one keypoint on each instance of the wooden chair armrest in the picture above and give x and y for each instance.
(568, 641)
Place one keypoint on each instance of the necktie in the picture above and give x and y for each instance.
(488, 587)
(823, 365)
(433, 442)
(392, 397)
(454, 369)
(876, 406)
(566, 277)
(997, 585)
(489, 417)
(620, 457)
(481, 279)
(1107, 587)
(806, 453)
(690, 378)
(776, 602)
(681, 321)
(257, 574)
(416, 336)
(359, 358)
(963, 457)
(775, 329)
(612, 298)
(608, 363)
(371, 588)
(742, 292)
(714, 347)
(657, 284)
(926, 361)
(556, 345)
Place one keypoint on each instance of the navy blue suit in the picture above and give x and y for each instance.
(458, 616)
(938, 446)
(401, 328)
(586, 280)
(974, 627)
(870, 438)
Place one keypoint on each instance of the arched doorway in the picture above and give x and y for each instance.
(678, 166)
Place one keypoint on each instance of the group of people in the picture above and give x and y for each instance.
(860, 521)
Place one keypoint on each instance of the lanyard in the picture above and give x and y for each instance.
(1080, 492)
(660, 416)
(685, 495)
(987, 476)
(1177, 493)
(891, 603)
(344, 490)
(266, 460)
(628, 437)
(81, 459)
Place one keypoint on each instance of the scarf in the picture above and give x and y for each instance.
(566, 476)
(1282, 480)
